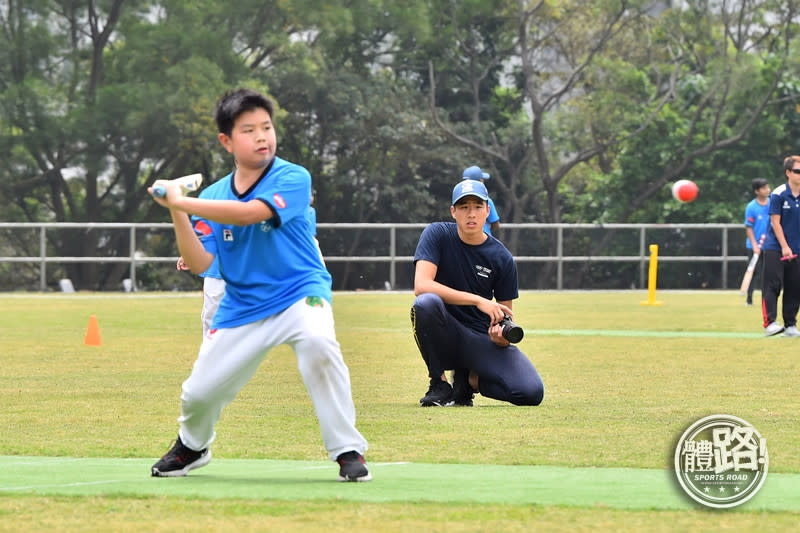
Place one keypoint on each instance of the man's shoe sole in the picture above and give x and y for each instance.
(448, 403)
(201, 462)
(368, 477)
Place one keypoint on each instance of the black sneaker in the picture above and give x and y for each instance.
(352, 467)
(179, 460)
(462, 390)
(438, 394)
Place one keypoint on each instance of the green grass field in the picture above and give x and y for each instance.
(80, 425)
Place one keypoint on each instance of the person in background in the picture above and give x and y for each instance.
(493, 221)
(312, 221)
(312, 214)
(780, 249)
(756, 220)
(213, 290)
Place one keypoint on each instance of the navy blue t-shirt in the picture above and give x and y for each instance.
(783, 203)
(486, 269)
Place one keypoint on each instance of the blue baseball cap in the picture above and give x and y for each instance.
(475, 173)
(470, 188)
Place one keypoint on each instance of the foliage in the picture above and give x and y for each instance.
(580, 112)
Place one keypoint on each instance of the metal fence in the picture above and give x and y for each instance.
(555, 256)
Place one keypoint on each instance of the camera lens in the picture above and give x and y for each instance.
(511, 332)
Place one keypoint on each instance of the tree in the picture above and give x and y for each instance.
(98, 101)
(581, 112)
(361, 130)
(586, 80)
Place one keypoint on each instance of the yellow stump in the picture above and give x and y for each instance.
(651, 277)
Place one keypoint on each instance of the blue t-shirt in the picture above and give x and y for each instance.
(486, 269)
(212, 271)
(782, 202)
(270, 265)
(756, 216)
(493, 217)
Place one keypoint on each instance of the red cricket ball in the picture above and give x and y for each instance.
(684, 190)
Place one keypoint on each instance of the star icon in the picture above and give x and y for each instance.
(722, 489)
(736, 489)
(708, 489)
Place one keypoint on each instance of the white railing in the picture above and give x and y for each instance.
(390, 252)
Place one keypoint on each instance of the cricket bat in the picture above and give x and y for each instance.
(751, 269)
(188, 183)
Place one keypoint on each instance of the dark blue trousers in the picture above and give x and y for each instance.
(780, 275)
(504, 374)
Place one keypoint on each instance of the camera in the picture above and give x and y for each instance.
(511, 331)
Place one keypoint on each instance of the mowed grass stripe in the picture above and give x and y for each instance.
(605, 333)
(644, 333)
(617, 488)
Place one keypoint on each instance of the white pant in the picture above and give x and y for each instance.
(213, 291)
(229, 357)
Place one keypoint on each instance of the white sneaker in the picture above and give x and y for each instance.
(773, 329)
(791, 331)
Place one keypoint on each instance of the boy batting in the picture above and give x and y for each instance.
(277, 290)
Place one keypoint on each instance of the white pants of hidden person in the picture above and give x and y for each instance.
(213, 291)
(229, 357)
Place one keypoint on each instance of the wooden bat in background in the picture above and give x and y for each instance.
(751, 269)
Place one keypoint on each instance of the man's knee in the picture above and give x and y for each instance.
(531, 394)
(426, 308)
(428, 301)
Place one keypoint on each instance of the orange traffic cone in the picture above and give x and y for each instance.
(92, 333)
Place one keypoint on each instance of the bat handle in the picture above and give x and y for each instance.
(159, 191)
